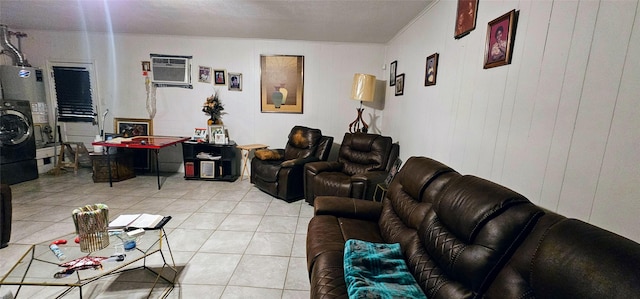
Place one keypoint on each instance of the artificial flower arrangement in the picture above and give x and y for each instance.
(213, 107)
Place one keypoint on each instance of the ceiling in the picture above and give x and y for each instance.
(361, 21)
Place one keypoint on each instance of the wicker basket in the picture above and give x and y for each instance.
(91, 223)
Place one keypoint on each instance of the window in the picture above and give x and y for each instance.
(73, 94)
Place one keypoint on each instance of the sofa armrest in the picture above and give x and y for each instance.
(322, 166)
(299, 161)
(364, 184)
(347, 207)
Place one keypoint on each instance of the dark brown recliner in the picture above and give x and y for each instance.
(282, 174)
(5, 215)
(364, 160)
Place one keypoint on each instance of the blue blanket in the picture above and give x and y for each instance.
(375, 270)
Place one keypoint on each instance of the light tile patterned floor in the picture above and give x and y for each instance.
(230, 240)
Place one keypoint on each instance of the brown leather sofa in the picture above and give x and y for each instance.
(5, 215)
(466, 237)
(364, 160)
(281, 175)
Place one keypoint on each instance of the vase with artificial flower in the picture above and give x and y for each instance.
(213, 108)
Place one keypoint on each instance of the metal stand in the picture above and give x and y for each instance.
(355, 125)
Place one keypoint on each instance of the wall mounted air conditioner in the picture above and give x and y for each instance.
(171, 70)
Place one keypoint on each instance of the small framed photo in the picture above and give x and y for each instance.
(214, 132)
(219, 138)
(207, 169)
(235, 81)
(400, 85)
(204, 74)
(500, 36)
(465, 18)
(392, 73)
(431, 70)
(199, 134)
(220, 77)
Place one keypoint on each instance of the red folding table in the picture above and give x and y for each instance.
(154, 143)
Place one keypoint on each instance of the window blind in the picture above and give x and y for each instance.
(73, 93)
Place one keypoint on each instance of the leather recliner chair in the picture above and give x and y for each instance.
(364, 160)
(5, 215)
(282, 174)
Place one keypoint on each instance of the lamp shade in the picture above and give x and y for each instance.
(364, 87)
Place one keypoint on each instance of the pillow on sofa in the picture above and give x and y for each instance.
(267, 154)
(377, 270)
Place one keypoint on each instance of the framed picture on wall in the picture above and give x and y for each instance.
(281, 83)
(235, 81)
(500, 36)
(465, 17)
(219, 77)
(204, 74)
(431, 70)
(392, 73)
(400, 85)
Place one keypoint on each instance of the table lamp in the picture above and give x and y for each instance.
(363, 89)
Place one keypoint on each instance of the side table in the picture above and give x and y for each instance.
(246, 149)
(382, 190)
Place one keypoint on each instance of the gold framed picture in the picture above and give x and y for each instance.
(281, 83)
(130, 127)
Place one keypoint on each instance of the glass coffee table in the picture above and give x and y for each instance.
(39, 264)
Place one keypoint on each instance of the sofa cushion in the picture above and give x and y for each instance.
(470, 232)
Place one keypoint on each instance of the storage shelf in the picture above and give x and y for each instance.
(227, 168)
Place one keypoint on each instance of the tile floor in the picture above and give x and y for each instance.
(230, 240)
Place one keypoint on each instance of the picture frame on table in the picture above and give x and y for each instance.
(281, 83)
(500, 37)
(199, 134)
(217, 134)
(400, 84)
(431, 70)
(219, 77)
(131, 127)
(204, 74)
(235, 81)
(393, 67)
(465, 18)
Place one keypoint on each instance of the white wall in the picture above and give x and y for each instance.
(560, 124)
(328, 73)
